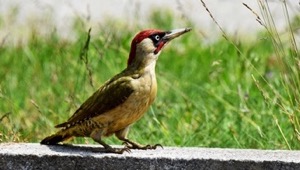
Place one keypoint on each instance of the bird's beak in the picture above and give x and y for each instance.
(170, 35)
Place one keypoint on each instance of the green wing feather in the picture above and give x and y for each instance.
(110, 95)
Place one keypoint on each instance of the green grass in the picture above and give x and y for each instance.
(212, 95)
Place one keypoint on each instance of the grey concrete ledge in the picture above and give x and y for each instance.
(35, 156)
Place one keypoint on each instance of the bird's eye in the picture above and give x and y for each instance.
(157, 37)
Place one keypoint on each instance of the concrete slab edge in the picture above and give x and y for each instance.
(35, 156)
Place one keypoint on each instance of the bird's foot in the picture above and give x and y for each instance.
(142, 147)
(117, 150)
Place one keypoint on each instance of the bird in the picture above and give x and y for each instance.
(121, 100)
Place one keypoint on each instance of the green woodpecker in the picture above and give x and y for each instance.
(123, 99)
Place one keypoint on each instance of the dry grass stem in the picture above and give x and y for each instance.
(258, 19)
(84, 57)
(215, 21)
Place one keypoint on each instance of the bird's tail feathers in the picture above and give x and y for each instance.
(54, 139)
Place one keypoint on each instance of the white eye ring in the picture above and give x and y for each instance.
(157, 37)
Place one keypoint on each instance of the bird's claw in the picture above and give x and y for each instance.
(126, 150)
(146, 147)
(153, 146)
(118, 150)
(156, 145)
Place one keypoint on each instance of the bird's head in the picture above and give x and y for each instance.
(147, 44)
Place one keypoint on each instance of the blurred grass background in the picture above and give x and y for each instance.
(228, 93)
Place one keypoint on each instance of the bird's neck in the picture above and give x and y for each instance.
(143, 66)
(150, 68)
